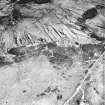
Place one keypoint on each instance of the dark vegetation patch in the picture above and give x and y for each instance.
(34, 1)
(47, 53)
(90, 14)
(17, 51)
(59, 55)
(23, 53)
(51, 45)
(92, 51)
(42, 1)
(18, 59)
(11, 19)
(94, 35)
(13, 1)
(58, 58)
(93, 47)
(55, 54)
(16, 15)
(61, 59)
(24, 1)
(4, 61)
(5, 20)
